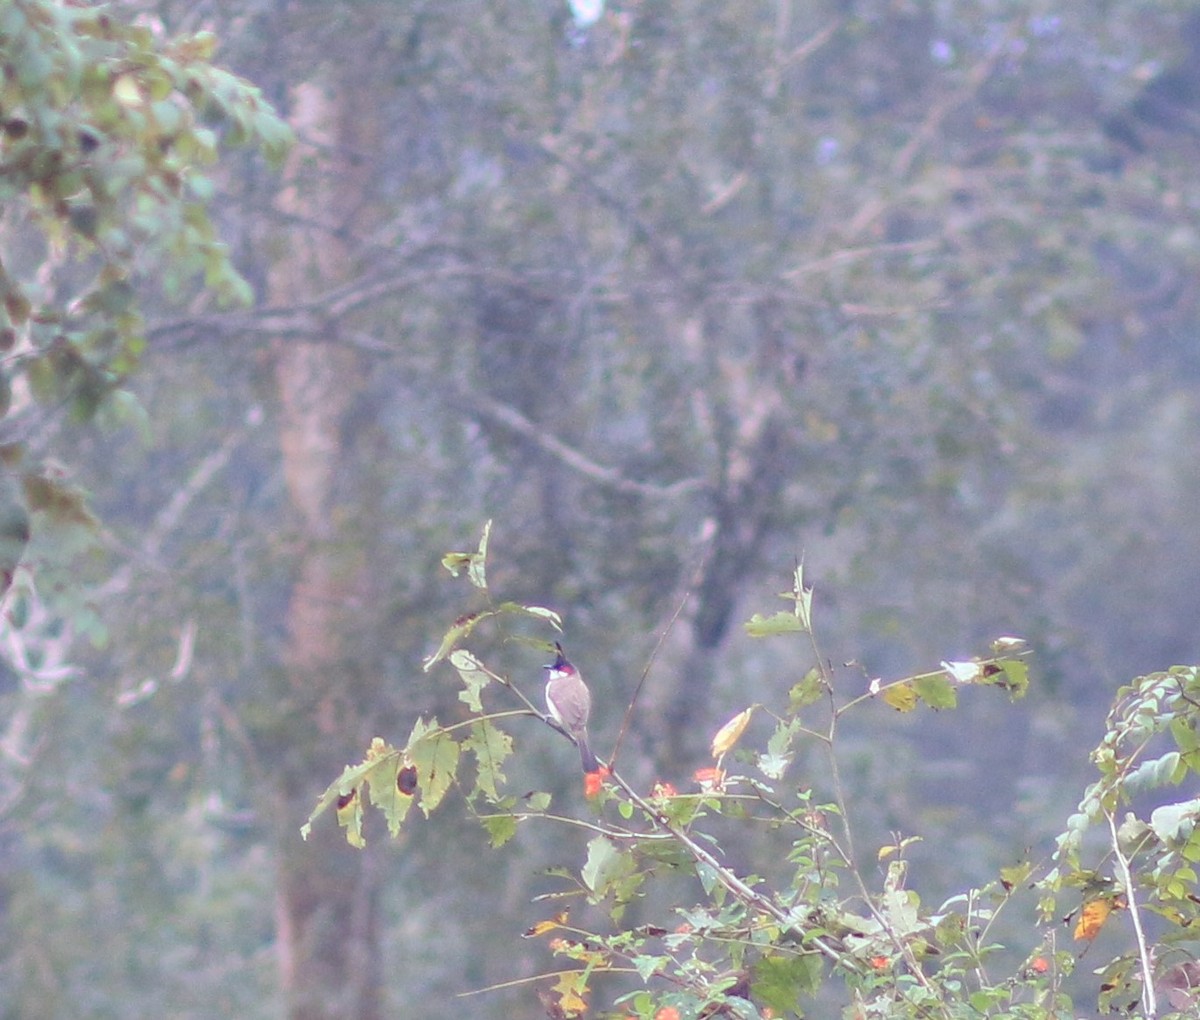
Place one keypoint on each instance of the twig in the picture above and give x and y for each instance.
(726, 877)
(486, 409)
(645, 673)
(1148, 998)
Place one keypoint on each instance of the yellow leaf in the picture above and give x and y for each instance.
(730, 733)
(901, 697)
(570, 989)
(349, 816)
(1091, 919)
(550, 924)
(126, 91)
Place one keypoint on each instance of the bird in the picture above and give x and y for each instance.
(570, 703)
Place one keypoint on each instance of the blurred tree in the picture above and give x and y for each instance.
(671, 297)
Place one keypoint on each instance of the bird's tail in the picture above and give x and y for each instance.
(590, 763)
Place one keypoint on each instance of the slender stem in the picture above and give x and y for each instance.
(726, 877)
(1148, 997)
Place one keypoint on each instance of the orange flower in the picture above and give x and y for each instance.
(880, 962)
(667, 1013)
(664, 791)
(593, 781)
(1039, 965)
(709, 778)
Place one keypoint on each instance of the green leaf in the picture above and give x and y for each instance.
(477, 569)
(648, 966)
(808, 691)
(1175, 822)
(779, 749)
(1015, 675)
(351, 778)
(537, 612)
(349, 816)
(500, 828)
(474, 676)
(605, 865)
(491, 746)
(780, 981)
(461, 628)
(936, 691)
(779, 623)
(435, 754)
(901, 696)
(385, 792)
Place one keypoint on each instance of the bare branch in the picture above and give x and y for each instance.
(489, 411)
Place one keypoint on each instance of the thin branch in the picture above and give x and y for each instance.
(645, 673)
(903, 161)
(493, 412)
(725, 876)
(1148, 997)
(172, 513)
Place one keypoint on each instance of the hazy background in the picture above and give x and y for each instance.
(675, 297)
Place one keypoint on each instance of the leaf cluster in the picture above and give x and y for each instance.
(815, 928)
(107, 131)
(1143, 864)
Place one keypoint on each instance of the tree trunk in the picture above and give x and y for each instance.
(327, 914)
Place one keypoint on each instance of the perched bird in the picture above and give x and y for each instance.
(570, 703)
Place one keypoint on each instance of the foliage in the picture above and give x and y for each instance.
(773, 942)
(1146, 862)
(855, 269)
(107, 131)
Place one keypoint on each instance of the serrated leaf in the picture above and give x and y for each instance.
(1015, 875)
(1016, 678)
(490, 746)
(352, 776)
(500, 829)
(648, 966)
(808, 691)
(474, 677)
(435, 755)
(385, 793)
(900, 696)
(477, 568)
(936, 691)
(349, 817)
(450, 640)
(780, 981)
(568, 992)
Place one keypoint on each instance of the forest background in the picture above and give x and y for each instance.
(675, 296)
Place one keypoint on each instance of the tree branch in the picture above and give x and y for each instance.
(493, 412)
